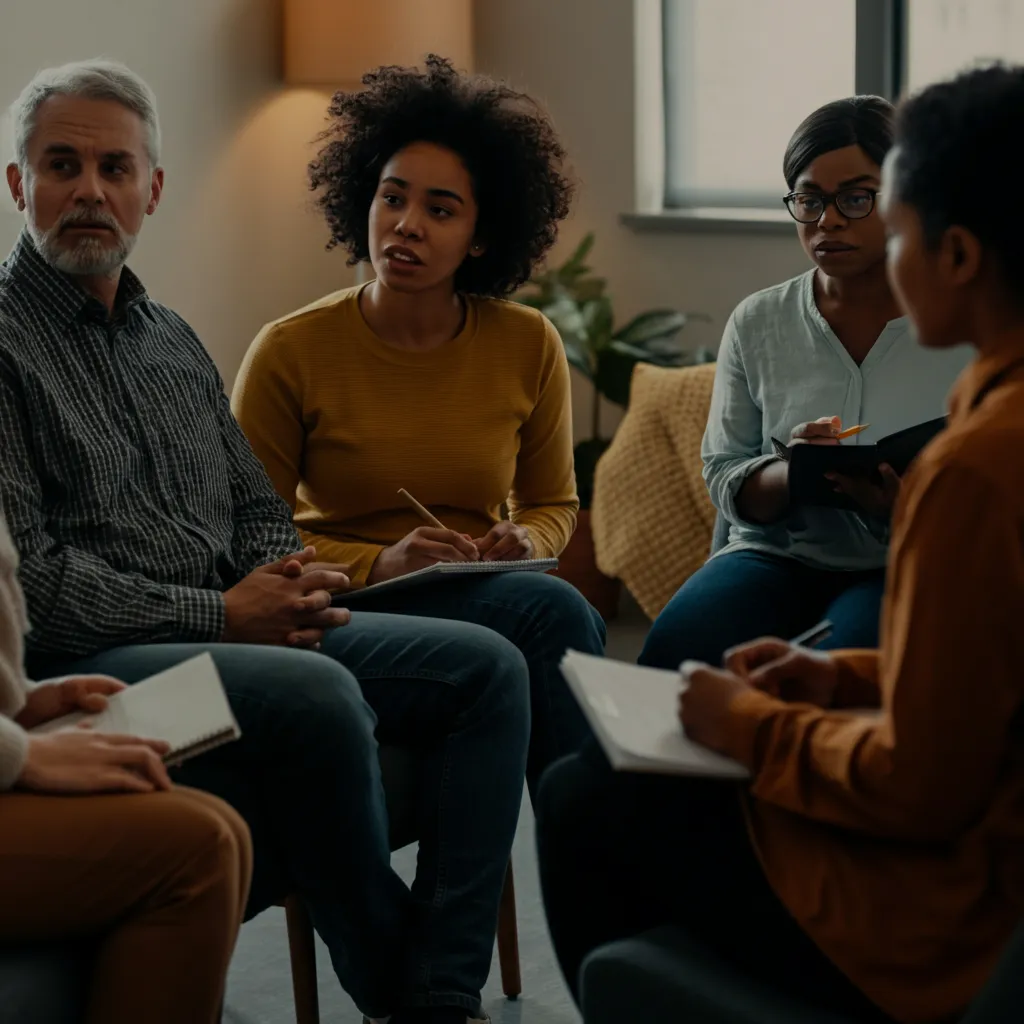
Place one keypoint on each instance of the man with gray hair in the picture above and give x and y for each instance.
(149, 532)
(91, 240)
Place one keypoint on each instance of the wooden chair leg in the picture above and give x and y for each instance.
(508, 938)
(303, 954)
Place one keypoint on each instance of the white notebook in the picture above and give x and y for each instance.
(443, 571)
(635, 713)
(185, 706)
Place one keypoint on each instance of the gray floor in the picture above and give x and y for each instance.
(259, 986)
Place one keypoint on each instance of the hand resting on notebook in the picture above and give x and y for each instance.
(424, 546)
(505, 542)
(704, 704)
(56, 697)
(76, 760)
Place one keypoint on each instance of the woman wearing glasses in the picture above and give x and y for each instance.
(798, 361)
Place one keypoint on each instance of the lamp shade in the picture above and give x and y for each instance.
(335, 42)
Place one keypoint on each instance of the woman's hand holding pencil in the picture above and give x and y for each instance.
(424, 546)
(826, 430)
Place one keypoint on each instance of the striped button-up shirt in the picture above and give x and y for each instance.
(131, 494)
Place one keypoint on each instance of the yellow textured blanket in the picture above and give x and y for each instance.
(652, 517)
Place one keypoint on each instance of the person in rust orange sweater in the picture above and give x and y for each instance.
(428, 379)
(880, 868)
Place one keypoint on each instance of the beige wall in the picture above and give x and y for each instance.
(234, 242)
(577, 55)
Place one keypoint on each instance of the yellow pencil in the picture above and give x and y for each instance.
(423, 511)
(852, 431)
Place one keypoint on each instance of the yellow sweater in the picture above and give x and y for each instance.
(342, 420)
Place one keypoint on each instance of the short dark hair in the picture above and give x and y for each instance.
(949, 136)
(865, 121)
(503, 136)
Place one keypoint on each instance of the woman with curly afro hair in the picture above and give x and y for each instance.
(428, 378)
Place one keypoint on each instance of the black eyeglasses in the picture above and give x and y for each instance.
(852, 203)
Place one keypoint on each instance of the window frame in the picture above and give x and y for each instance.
(880, 61)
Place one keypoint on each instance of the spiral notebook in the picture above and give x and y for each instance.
(185, 706)
(634, 712)
(444, 571)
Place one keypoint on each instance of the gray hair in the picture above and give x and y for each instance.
(92, 80)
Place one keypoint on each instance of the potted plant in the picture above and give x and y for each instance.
(577, 304)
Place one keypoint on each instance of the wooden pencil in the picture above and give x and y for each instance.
(852, 431)
(424, 512)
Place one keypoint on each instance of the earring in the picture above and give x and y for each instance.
(477, 249)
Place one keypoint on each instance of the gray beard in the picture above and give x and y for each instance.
(88, 258)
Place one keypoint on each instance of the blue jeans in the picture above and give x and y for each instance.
(543, 616)
(305, 775)
(744, 595)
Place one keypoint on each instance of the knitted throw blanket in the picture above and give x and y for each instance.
(652, 517)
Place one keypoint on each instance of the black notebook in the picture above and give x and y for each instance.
(808, 463)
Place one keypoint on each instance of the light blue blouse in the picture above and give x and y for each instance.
(780, 364)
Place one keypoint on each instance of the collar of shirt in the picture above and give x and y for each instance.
(983, 374)
(64, 300)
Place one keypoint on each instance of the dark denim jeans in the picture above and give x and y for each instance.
(306, 777)
(543, 616)
(744, 595)
(621, 853)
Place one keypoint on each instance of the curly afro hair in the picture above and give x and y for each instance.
(503, 137)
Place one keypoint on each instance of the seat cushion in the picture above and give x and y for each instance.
(664, 976)
(43, 984)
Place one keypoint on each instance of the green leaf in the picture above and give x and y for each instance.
(591, 288)
(643, 355)
(578, 258)
(597, 321)
(657, 323)
(577, 356)
(577, 303)
(634, 352)
(567, 316)
(669, 351)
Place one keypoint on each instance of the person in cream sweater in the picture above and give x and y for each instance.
(159, 874)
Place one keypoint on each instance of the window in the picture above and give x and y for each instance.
(722, 84)
(945, 36)
(740, 75)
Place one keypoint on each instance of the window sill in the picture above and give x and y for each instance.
(713, 220)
